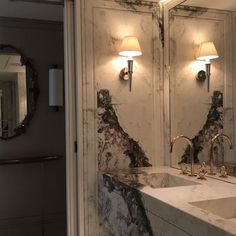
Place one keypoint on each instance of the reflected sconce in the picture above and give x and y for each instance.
(55, 88)
(130, 48)
(207, 51)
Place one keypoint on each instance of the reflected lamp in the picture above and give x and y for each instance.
(206, 52)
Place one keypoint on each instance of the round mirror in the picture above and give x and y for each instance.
(18, 92)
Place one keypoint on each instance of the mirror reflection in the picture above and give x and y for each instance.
(198, 110)
(17, 92)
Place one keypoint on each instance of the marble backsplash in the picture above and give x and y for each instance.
(116, 149)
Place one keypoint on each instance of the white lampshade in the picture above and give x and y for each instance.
(130, 47)
(55, 87)
(207, 51)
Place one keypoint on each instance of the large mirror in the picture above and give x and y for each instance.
(18, 92)
(194, 111)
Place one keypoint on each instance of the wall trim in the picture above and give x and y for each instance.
(36, 220)
(74, 182)
(12, 22)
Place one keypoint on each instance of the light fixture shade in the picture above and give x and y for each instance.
(55, 87)
(207, 51)
(130, 47)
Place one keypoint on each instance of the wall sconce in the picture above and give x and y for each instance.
(55, 87)
(207, 52)
(130, 48)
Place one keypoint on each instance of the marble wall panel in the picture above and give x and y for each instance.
(139, 112)
(116, 150)
(136, 109)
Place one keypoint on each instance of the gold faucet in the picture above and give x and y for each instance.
(190, 143)
(226, 137)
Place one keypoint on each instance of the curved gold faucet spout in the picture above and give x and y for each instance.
(190, 143)
(226, 137)
(213, 140)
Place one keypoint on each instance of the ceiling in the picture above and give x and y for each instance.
(39, 11)
(229, 5)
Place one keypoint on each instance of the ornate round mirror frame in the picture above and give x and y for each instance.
(32, 90)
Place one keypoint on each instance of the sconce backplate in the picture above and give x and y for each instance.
(124, 74)
(201, 76)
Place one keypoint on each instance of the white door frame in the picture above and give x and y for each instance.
(73, 104)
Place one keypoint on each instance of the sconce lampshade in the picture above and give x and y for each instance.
(55, 87)
(130, 47)
(207, 51)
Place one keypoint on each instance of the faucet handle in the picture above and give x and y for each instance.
(223, 172)
(184, 169)
(202, 171)
(212, 171)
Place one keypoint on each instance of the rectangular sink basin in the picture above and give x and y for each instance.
(158, 180)
(223, 207)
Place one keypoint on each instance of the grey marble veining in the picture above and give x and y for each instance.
(213, 125)
(132, 4)
(125, 209)
(121, 208)
(116, 149)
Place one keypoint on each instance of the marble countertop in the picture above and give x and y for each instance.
(173, 203)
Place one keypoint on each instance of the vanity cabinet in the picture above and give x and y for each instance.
(122, 212)
(130, 204)
(161, 227)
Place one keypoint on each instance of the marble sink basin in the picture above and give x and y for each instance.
(157, 180)
(223, 207)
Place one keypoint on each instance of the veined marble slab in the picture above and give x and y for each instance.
(172, 204)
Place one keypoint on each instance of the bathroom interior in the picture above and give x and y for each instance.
(144, 140)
